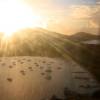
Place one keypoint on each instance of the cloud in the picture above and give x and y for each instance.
(97, 1)
(70, 17)
(82, 11)
(76, 18)
(86, 12)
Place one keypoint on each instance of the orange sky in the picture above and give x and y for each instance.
(68, 16)
(63, 16)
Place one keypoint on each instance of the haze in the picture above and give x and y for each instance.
(63, 16)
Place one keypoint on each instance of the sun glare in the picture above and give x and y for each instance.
(15, 15)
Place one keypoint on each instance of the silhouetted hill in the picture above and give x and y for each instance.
(82, 36)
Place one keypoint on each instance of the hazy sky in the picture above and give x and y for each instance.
(68, 16)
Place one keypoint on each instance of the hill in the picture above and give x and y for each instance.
(83, 36)
(40, 42)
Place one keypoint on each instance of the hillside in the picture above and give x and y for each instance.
(83, 36)
(40, 42)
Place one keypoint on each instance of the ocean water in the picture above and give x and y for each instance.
(38, 78)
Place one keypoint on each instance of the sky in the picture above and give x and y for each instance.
(68, 16)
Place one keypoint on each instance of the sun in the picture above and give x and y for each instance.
(16, 15)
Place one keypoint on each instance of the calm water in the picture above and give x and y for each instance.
(38, 78)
